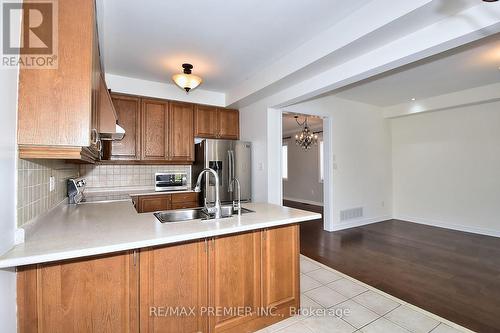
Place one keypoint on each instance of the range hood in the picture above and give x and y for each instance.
(117, 135)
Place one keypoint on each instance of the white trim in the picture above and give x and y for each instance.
(360, 222)
(316, 203)
(451, 226)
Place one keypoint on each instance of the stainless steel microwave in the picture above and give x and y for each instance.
(170, 181)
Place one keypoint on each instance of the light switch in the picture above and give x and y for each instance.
(52, 183)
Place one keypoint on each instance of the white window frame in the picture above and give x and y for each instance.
(284, 175)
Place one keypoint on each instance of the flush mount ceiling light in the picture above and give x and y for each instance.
(306, 138)
(186, 80)
(490, 0)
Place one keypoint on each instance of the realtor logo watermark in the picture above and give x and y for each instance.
(29, 34)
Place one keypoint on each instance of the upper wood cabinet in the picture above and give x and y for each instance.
(58, 107)
(205, 122)
(129, 117)
(175, 277)
(228, 124)
(181, 133)
(154, 130)
(86, 295)
(216, 123)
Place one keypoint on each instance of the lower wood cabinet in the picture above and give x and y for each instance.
(159, 202)
(174, 278)
(85, 295)
(234, 283)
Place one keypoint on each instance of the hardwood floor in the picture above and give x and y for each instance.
(452, 274)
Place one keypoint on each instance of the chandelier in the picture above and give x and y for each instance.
(306, 138)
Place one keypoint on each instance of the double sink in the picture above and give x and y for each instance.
(183, 215)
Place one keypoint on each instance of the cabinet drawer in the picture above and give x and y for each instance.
(184, 197)
(153, 203)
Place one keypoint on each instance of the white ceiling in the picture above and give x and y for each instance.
(290, 125)
(226, 41)
(463, 68)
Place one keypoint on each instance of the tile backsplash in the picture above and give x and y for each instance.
(98, 176)
(34, 195)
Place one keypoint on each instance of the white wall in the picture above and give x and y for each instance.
(253, 127)
(303, 183)
(165, 90)
(361, 151)
(447, 168)
(8, 194)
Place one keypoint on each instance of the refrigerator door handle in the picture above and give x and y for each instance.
(230, 170)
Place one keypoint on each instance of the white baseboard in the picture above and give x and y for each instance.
(458, 227)
(304, 201)
(360, 222)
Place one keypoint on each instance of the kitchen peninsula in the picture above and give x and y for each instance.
(104, 267)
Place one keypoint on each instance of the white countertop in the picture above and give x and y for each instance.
(72, 231)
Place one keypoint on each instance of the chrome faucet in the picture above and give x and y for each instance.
(215, 209)
(236, 206)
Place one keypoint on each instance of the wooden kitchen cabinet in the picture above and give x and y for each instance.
(181, 133)
(160, 202)
(173, 277)
(205, 122)
(154, 130)
(280, 267)
(235, 281)
(98, 294)
(145, 290)
(129, 117)
(153, 203)
(216, 123)
(57, 108)
(228, 124)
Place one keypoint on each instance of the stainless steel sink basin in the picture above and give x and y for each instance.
(184, 215)
(181, 215)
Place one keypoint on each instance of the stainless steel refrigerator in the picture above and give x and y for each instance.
(229, 158)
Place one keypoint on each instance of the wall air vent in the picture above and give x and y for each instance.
(350, 214)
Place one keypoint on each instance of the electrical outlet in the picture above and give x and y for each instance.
(52, 183)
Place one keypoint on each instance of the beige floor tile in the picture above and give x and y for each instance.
(383, 325)
(355, 314)
(412, 320)
(325, 296)
(347, 287)
(324, 276)
(298, 327)
(307, 266)
(442, 328)
(279, 325)
(307, 303)
(376, 302)
(307, 283)
(328, 324)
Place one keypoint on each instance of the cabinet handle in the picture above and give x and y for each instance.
(206, 245)
(264, 232)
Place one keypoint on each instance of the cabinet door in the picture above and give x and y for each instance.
(181, 132)
(280, 267)
(235, 280)
(205, 122)
(154, 119)
(173, 277)
(228, 123)
(128, 112)
(92, 295)
(153, 203)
